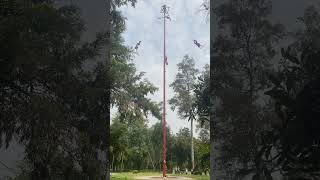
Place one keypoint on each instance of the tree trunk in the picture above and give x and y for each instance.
(122, 163)
(151, 160)
(112, 164)
(108, 63)
(192, 148)
(147, 164)
(213, 34)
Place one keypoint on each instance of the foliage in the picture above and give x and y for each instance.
(296, 92)
(134, 146)
(49, 101)
(183, 87)
(202, 96)
(260, 135)
(56, 106)
(129, 90)
(242, 52)
(183, 99)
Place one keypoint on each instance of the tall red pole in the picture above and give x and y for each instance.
(164, 10)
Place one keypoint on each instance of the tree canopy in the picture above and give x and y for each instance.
(51, 102)
(264, 98)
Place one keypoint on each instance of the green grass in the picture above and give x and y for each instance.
(131, 176)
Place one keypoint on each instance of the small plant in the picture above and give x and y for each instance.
(206, 171)
(135, 171)
(196, 172)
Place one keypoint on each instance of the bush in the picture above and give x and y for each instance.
(135, 171)
(206, 171)
(196, 172)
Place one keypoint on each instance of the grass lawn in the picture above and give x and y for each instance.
(197, 177)
(131, 176)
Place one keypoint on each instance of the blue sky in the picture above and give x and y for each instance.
(187, 23)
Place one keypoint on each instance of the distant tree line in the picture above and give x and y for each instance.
(134, 146)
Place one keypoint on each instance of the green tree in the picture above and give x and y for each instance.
(56, 107)
(138, 143)
(182, 148)
(202, 153)
(242, 52)
(156, 142)
(202, 103)
(129, 88)
(113, 36)
(119, 144)
(49, 101)
(296, 93)
(202, 100)
(183, 100)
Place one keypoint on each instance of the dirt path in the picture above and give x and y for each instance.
(160, 178)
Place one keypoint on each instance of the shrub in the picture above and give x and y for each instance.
(135, 171)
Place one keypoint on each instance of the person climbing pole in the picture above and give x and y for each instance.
(197, 43)
(137, 45)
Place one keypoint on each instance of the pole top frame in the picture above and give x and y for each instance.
(165, 11)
